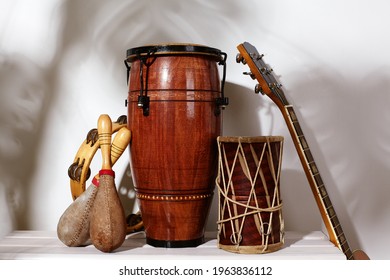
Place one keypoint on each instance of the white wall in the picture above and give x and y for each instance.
(61, 65)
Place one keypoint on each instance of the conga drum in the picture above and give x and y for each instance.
(174, 113)
(250, 217)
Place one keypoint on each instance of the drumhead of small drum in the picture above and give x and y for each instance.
(249, 139)
(173, 49)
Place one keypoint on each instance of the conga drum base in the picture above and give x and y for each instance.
(175, 244)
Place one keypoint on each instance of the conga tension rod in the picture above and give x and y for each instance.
(222, 101)
(143, 98)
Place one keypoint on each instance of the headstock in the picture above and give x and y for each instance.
(267, 83)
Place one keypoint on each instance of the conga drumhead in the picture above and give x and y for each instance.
(173, 49)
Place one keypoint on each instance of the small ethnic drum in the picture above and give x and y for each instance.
(174, 113)
(250, 217)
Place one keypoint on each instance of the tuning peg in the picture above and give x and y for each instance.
(240, 59)
(260, 56)
(250, 74)
(266, 70)
(259, 89)
(256, 56)
(275, 86)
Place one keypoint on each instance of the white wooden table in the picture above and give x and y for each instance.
(30, 245)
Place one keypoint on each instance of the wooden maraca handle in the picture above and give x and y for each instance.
(119, 144)
(79, 170)
(104, 131)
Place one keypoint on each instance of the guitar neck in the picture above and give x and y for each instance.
(267, 84)
(331, 221)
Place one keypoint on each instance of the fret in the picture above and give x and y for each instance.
(294, 120)
(338, 229)
(343, 243)
(291, 113)
(309, 156)
(342, 239)
(349, 254)
(328, 206)
(322, 191)
(301, 139)
(313, 168)
(304, 144)
(298, 128)
(346, 249)
(335, 221)
(318, 179)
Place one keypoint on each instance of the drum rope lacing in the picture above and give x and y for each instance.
(274, 206)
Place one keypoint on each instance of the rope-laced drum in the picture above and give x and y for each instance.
(250, 205)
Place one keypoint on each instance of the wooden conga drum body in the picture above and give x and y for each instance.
(174, 114)
(250, 207)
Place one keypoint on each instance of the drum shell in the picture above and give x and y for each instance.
(173, 152)
(260, 231)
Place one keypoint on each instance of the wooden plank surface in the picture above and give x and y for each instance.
(46, 245)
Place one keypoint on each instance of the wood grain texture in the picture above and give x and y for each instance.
(173, 150)
(250, 204)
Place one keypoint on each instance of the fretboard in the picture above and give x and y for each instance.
(332, 223)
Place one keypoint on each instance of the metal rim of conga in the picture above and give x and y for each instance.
(142, 54)
(173, 49)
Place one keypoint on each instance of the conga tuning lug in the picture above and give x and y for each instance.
(222, 102)
(143, 103)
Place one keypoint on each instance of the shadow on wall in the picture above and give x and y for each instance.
(241, 116)
(24, 99)
(102, 28)
(111, 27)
(343, 120)
(247, 115)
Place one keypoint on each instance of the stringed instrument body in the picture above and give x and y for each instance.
(268, 85)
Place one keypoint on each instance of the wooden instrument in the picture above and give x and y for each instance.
(267, 84)
(250, 219)
(73, 225)
(174, 112)
(108, 222)
(79, 170)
